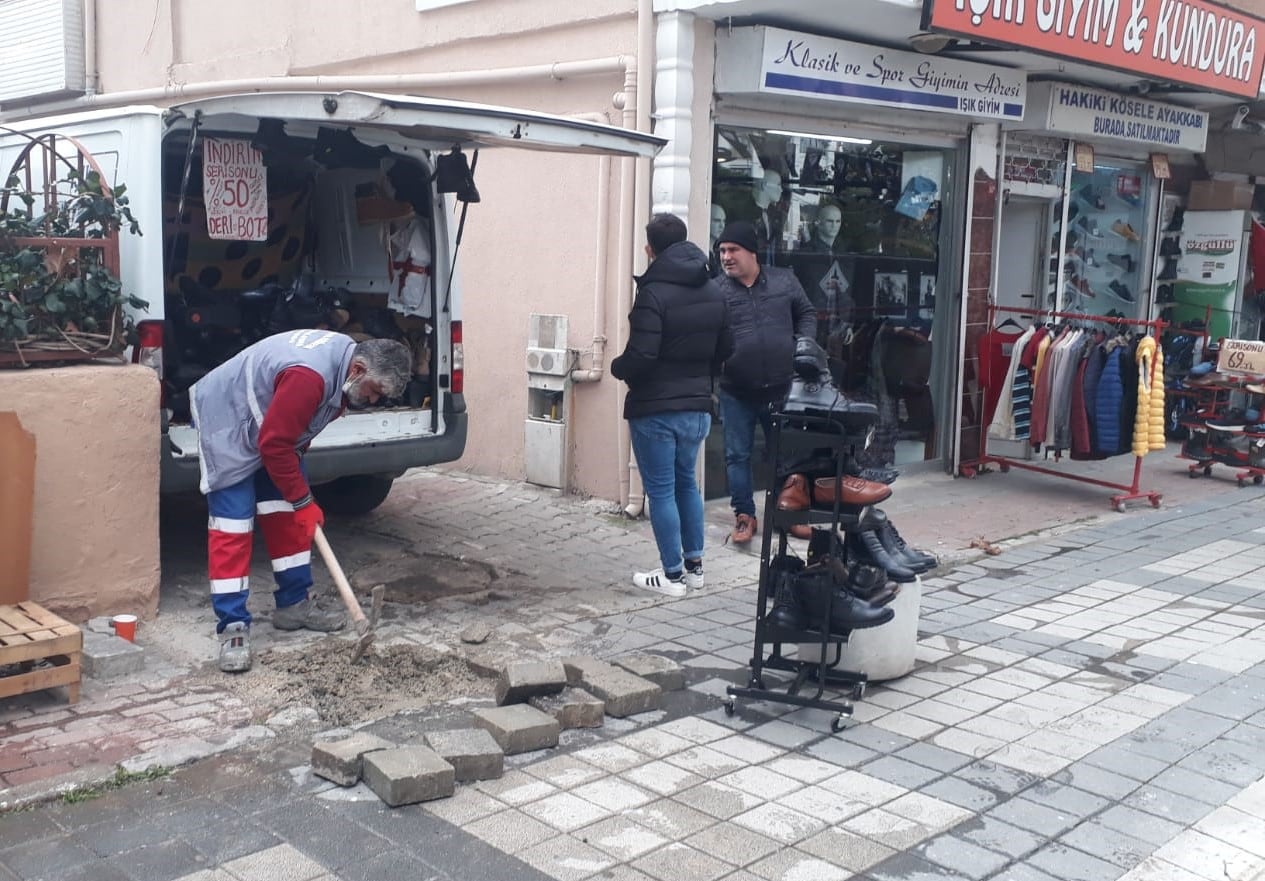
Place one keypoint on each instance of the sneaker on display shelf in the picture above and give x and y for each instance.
(1125, 231)
(1121, 291)
(1124, 261)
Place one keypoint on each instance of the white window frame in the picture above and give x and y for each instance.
(426, 5)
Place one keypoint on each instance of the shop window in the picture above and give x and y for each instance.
(858, 222)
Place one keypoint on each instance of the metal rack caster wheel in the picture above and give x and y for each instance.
(756, 682)
(1257, 479)
(1207, 471)
(1121, 507)
(1004, 468)
(729, 707)
(837, 723)
(858, 691)
(1192, 473)
(1242, 483)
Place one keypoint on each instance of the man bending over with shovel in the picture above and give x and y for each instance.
(254, 414)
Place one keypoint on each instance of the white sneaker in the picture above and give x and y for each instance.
(693, 580)
(659, 582)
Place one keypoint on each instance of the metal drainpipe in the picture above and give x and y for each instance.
(597, 369)
(92, 79)
(625, 462)
(641, 204)
(383, 83)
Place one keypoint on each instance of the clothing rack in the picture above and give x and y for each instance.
(1126, 492)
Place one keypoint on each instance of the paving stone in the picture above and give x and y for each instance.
(1108, 844)
(341, 760)
(1000, 836)
(1033, 817)
(572, 707)
(998, 778)
(963, 794)
(106, 656)
(408, 775)
(519, 728)
(520, 680)
(1069, 864)
(623, 693)
(473, 753)
(961, 856)
(663, 672)
(909, 867)
(1065, 799)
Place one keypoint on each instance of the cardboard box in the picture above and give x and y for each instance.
(1219, 195)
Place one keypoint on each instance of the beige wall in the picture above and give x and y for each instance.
(530, 245)
(95, 544)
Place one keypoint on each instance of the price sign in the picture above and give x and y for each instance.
(1083, 157)
(235, 190)
(1243, 357)
(1159, 166)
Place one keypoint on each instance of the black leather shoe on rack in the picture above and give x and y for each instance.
(870, 583)
(912, 558)
(785, 611)
(816, 586)
(869, 549)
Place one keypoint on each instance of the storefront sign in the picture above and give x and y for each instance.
(235, 188)
(1194, 42)
(1242, 356)
(804, 65)
(1083, 156)
(1083, 111)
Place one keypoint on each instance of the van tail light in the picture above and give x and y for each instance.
(149, 348)
(458, 361)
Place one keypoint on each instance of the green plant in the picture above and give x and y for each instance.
(59, 292)
(120, 779)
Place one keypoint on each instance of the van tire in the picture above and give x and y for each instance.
(353, 495)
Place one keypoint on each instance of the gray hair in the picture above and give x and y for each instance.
(387, 362)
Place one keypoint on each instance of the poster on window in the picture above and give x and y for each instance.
(891, 293)
(235, 190)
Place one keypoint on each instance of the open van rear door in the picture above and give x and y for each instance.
(434, 122)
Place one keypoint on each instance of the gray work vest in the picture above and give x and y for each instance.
(229, 403)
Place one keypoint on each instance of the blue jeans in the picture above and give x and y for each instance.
(740, 418)
(666, 446)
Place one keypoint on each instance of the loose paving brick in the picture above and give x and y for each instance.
(341, 761)
(473, 753)
(106, 656)
(519, 728)
(663, 672)
(573, 708)
(624, 693)
(521, 680)
(408, 775)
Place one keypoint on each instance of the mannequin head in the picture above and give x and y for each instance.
(717, 223)
(767, 189)
(829, 221)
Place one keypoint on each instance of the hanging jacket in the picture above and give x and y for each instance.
(1081, 441)
(1093, 374)
(1142, 416)
(678, 336)
(1002, 425)
(1108, 398)
(1159, 412)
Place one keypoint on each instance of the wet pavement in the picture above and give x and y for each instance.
(1088, 704)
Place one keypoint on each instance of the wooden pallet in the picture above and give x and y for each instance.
(30, 633)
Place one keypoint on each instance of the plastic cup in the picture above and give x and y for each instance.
(124, 626)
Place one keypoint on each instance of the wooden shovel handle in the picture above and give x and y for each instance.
(344, 587)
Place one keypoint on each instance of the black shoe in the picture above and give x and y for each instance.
(1090, 197)
(1169, 272)
(1124, 261)
(816, 587)
(1164, 294)
(1121, 291)
(869, 549)
(880, 475)
(1169, 247)
(1175, 225)
(786, 611)
(896, 546)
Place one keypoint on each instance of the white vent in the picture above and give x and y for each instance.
(547, 344)
(42, 49)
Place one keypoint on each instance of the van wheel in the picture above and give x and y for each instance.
(353, 495)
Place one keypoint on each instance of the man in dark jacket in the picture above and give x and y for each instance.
(768, 309)
(678, 338)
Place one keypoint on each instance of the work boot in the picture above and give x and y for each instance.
(745, 527)
(786, 611)
(894, 544)
(870, 550)
(235, 648)
(306, 615)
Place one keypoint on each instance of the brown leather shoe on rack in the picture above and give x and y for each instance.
(794, 494)
(744, 529)
(854, 491)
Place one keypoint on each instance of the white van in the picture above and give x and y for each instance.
(357, 229)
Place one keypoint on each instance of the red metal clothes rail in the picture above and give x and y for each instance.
(1127, 493)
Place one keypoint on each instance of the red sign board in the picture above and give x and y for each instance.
(1193, 42)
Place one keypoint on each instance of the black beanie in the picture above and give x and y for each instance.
(742, 234)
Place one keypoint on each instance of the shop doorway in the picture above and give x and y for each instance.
(858, 222)
(1020, 275)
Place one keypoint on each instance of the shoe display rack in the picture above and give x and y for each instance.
(1125, 493)
(1226, 427)
(795, 437)
(1100, 253)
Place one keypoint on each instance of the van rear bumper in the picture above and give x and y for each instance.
(326, 463)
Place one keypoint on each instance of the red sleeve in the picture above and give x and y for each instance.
(297, 395)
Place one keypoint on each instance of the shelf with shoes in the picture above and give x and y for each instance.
(850, 570)
(1226, 426)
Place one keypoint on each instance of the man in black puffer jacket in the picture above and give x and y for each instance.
(678, 339)
(767, 310)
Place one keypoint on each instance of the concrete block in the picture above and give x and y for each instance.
(572, 707)
(341, 760)
(408, 774)
(519, 728)
(580, 665)
(106, 656)
(520, 680)
(473, 753)
(663, 672)
(623, 693)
